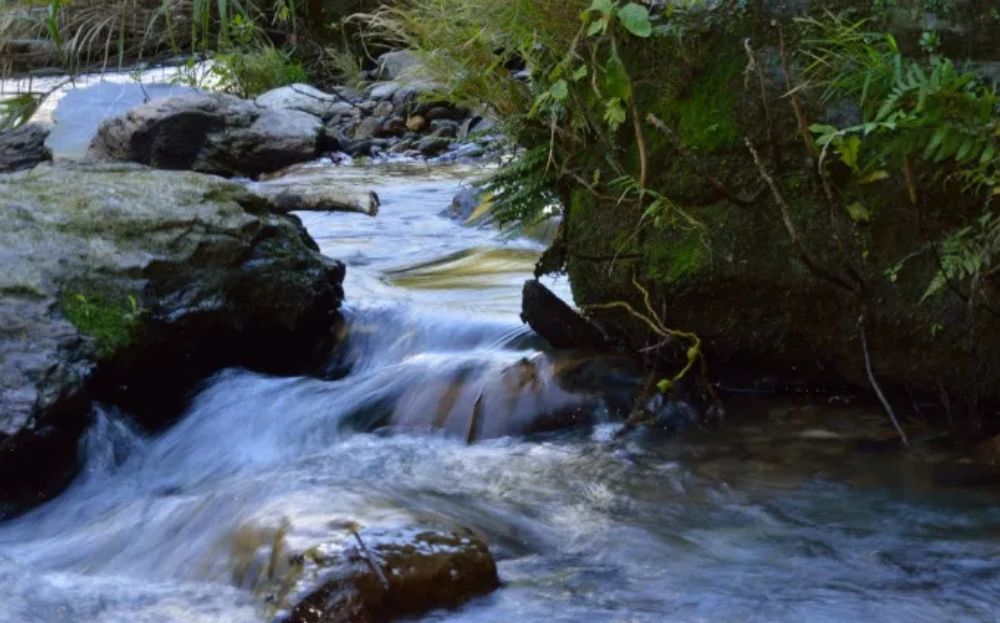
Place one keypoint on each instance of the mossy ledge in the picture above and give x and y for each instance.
(129, 288)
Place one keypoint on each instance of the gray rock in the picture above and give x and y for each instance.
(128, 285)
(23, 148)
(433, 146)
(464, 204)
(384, 90)
(383, 109)
(393, 65)
(209, 133)
(305, 98)
(403, 101)
(367, 129)
(80, 112)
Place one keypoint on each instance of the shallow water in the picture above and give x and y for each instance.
(792, 512)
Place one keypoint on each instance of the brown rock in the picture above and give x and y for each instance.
(416, 123)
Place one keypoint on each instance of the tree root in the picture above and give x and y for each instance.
(874, 383)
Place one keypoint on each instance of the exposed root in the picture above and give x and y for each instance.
(652, 320)
(793, 234)
(874, 383)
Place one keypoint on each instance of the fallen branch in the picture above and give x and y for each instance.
(874, 383)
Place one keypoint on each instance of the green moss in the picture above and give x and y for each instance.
(112, 325)
(706, 120)
(674, 258)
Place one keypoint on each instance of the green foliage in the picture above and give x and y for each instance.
(17, 110)
(521, 192)
(112, 325)
(252, 72)
(919, 115)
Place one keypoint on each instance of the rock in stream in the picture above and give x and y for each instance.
(128, 286)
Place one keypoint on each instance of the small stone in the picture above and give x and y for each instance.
(393, 128)
(416, 123)
(383, 109)
(367, 128)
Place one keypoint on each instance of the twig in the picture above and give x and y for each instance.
(371, 560)
(700, 168)
(800, 115)
(875, 385)
(640, 140)
(786, 217)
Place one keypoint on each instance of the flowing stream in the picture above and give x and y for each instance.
(794, 511)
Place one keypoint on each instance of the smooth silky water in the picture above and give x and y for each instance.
(792, 512)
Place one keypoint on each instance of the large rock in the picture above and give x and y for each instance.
(305, 98)
(128, 285)
(79, 113)
(23, 148)
(210, 133)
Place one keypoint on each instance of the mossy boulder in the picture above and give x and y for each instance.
(128, 285)
(723, 264)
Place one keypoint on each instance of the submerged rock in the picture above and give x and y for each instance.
(210, 133)
(23, 148)
(335, 571)
(129, 285)
(390, 574)
(557, 322)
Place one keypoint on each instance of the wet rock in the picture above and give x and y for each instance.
(433, 146)
(128, 286)
(307, 99)
(464, 204)
(209, 133)
(560, 325)
(394, 574)
(547, 392)
(23, 148)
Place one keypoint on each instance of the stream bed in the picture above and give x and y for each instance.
(793, 511)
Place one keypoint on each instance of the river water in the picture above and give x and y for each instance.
(793, 511)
